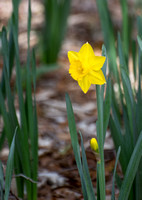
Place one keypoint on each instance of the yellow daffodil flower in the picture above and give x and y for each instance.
(94, 145)
(85, 67)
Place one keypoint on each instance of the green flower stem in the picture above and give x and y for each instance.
(100, 142)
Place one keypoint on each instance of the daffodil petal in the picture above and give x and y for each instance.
(86, 51)
(96, 77)
(75, 70)
(86, 56)
(73, 56)
(97, 62)
(84, 84)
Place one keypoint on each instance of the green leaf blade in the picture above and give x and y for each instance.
(1, 182)
(75, 144)
(9, 168)
(131, 170)
(107, 107)
(89, 185)
(114, 173)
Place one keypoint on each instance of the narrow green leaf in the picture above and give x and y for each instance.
(127, 83)
(138, 185)
(98, 185)
(131, 170)
(29, 22)
(129, 102)
(34, 136)
(139, 105)
(10, 58)
(2, 139)
(11, 51)
(34, 70)
(104, 68)
(121, 54)
(32, 127)
(139, 24)
(18, 169)
(105, 64)
(1, 182)
(139, 42)
(116, 102)
(109, 37)
(139, 92)
(56, 13)
(107, 107)
(100, 136)
(126, 133)
(126, 32)
(139, 78)
(118, 181)
(9, 168)
(6, 75)
(75, 144)
(15, 4)
(5, 118)
(114, 173)
(118, 141)
(5, 50)
(128, 94)
(24, 129)
(89, 185)
(134, 56)
(11, 115)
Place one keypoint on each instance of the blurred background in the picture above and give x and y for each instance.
(55, 31)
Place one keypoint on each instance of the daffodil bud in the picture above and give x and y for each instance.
(94, 145)
(95, 148)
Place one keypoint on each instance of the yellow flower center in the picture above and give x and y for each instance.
(80, 69)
